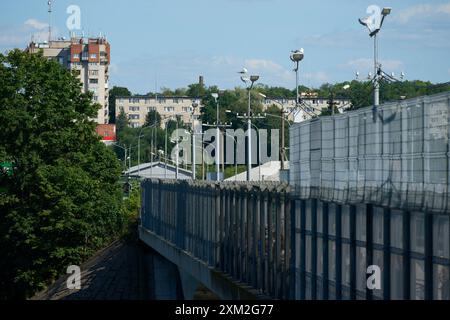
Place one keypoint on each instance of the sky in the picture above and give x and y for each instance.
(169, 43)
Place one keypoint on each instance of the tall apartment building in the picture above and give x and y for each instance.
(137, 108)
(90, 58)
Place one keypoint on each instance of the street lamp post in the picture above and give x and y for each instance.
(373, 32)
(124, 148)
(194, 107)
(296, 57)
(283, 119)
(252, 81)
(216, 99)
(139, 146)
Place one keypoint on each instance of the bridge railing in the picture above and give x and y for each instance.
(242, 230)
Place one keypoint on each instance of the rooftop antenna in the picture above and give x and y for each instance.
(49, 20)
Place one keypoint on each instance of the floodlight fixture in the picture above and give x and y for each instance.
(297, 55)
(254, 78)
(386, 11)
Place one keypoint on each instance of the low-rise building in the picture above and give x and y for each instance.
(310, 106)
(137, 108)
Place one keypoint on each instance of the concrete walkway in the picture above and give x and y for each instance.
(123, 271)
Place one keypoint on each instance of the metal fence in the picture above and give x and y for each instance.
(397, 156)
(239, 229)
(287, 247)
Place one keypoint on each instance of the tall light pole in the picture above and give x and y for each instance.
(296, 57)
(124, 148)
(283, 119)
(216, 99)
(194, 107)
(139, 146)
(374, 28)
(252, 81)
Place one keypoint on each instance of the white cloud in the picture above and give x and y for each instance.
(423, 10)
(367, 63)
(19, 35)
(36, 24)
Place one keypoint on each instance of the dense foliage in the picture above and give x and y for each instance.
(63, 200)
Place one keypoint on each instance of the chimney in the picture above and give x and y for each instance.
(200, 81)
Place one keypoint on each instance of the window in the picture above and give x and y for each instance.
(151, 109)
(93, 81)
(76, 56)
(187, 109)
(93, 72)
(169, 109)
(134, 100)
(93, 56)
(133, 116)
(95, 98)
(85, 56)
(133, 108)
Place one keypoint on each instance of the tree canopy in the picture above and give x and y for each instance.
(62, 201)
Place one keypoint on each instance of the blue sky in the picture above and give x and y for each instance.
(169, 43)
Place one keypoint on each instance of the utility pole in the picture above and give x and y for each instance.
(283, 150)
(49, 21)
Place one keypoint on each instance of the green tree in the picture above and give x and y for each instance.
(113, 94)
(152, 118)
(63, 200)
(121, 121)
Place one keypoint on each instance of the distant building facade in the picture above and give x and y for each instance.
(90, 58)
(107, 132)
(136, 108)
(312, 106)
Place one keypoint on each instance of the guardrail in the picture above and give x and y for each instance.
(239, 229)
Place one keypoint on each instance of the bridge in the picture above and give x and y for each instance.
(368, 188)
